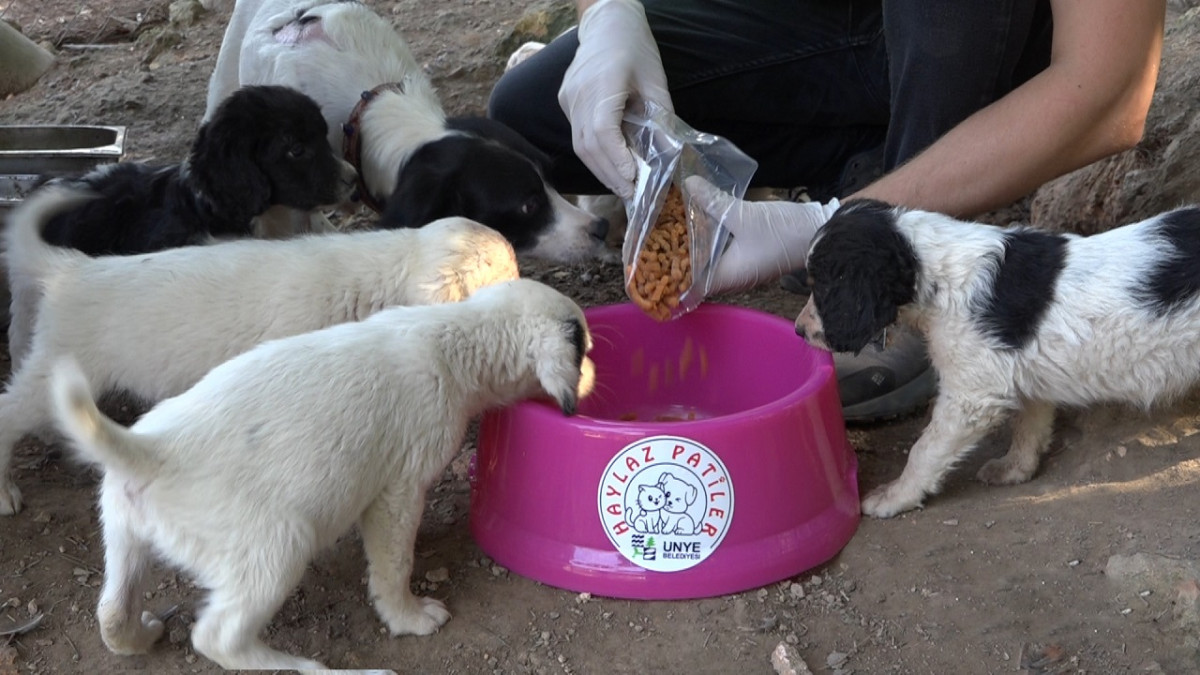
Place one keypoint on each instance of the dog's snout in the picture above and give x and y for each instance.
(810, 327)
(598, 228)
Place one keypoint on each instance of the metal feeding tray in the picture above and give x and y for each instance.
(30, 154)
(58, 149)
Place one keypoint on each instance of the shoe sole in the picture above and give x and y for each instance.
(909, 398)
(790, 283)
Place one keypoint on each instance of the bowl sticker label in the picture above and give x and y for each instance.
(666, 503)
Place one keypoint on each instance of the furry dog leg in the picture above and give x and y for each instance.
(1032, 429)
(228, 629)
(22, 410)
(125, 628)
(957, 424)
(389, 533)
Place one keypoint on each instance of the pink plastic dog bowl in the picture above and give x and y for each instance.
(710, 459)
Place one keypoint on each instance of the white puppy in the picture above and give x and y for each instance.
(299, 439)
(154, 324)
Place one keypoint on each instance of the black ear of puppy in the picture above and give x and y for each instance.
(222, 162)
(863, 270)
(568, 400)
(425, 191)
(567, 397)
(578, 337)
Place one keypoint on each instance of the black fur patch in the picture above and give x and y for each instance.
(264, 145)
(1176, 278)
(862, 270)
(578, 338)
(488, 173)
(1024, 286)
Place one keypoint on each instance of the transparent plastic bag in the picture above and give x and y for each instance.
(667, 152)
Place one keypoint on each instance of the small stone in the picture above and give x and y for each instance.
(438, 575)
(835, 659)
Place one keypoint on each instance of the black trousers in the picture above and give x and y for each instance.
(805, 85)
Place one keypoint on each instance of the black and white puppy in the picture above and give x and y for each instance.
(1017, 320)
(153, 324)
(383, 110)
(301, 439)
(263, 146)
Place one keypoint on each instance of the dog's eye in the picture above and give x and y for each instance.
(297, 151)
(530, 206)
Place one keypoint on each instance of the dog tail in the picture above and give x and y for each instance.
(96, 438)
(27, 255)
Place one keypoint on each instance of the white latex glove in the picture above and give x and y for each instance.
(617, 64)
(769, 239)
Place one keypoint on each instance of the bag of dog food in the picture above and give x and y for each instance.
(671, 248)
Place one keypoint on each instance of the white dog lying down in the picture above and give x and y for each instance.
(154, 324)
(382, 107)
(298, 440)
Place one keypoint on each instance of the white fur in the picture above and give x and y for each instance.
(154, 324)
(1096, 343)
(357, 52)
(274, 455)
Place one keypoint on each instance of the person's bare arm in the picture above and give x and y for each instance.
(1090, 102)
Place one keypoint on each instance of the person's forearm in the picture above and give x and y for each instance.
(1080, 109)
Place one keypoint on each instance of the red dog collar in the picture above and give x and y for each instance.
(352, 141)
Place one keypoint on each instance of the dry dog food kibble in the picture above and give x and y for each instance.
(664, 265)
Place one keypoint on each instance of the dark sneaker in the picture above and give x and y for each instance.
(878, 384)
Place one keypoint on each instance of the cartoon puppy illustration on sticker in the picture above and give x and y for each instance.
(679, 496)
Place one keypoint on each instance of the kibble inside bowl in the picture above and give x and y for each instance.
(711, 458)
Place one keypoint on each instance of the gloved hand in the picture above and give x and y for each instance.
(617, 64)
(769, 239)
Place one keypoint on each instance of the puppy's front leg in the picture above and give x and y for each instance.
(956, 425)
(1032, 428)
(389, 532)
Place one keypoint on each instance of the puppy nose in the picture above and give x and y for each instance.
(598, 228)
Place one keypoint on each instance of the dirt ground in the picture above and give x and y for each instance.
(983, 580)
